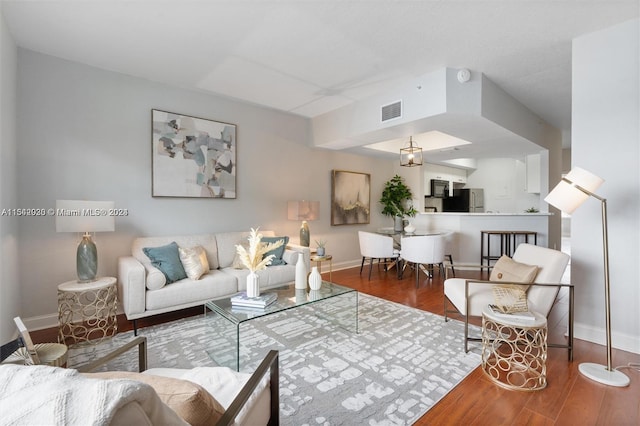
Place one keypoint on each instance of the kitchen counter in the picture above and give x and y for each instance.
(464, 244)
(485, 214)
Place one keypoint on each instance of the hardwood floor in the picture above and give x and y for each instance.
(568, 399)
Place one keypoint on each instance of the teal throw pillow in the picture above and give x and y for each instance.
(167, 259)
(277, 253)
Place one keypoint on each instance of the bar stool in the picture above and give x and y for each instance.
(525, 239)
(485, 246)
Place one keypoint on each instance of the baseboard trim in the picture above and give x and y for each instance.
(622, 341)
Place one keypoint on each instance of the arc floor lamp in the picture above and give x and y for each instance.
(573, 190)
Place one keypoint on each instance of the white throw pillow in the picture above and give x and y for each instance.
(194, 260)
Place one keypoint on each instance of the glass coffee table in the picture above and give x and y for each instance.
(288, 298)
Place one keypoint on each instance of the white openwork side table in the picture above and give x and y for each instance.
(87, 311)
(514, 351)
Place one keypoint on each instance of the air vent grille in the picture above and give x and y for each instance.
(391, 111)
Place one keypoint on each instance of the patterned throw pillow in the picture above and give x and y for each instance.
(278, 252)
(194, 260)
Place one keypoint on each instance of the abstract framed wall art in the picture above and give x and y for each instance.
(192, 157)
(350, 198)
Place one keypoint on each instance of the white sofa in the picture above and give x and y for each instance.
(143, 290)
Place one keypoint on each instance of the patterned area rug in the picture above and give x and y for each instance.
(402, 361)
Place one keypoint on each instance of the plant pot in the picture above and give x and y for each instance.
(397, 224)
(320, 251)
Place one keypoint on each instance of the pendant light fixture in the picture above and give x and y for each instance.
(411, 155)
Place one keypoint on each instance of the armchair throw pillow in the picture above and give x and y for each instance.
(511, 297)
(189, 400)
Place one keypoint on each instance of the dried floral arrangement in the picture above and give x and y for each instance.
(255, 258)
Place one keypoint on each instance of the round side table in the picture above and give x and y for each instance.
(87, 311)
(514, 351)
(320, 259)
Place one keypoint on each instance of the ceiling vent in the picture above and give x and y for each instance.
(391, 111)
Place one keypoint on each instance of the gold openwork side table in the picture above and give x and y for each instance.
(87, 311)
(514, 351)
(320, 259)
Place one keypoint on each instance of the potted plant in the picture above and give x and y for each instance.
(396, 201)
(320, 251)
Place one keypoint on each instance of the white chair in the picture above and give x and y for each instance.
(23, 351)
(377, 247)
(471, 296)
(423, 250)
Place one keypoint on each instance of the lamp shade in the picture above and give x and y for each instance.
(303, 210)
(84, 216)
(573, 190)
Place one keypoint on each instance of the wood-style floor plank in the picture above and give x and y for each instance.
(569, 399)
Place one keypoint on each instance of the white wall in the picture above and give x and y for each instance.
(9, 283)
(605, 135)
(84, 133)
(503, 181)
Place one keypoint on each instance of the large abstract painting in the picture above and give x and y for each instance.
(350, 198)
(192, 157)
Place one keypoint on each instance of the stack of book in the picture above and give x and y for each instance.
(241, 300)
(526, 315)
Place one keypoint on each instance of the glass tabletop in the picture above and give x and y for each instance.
(288, 297)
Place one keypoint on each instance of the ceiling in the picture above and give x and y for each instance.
(311, 57)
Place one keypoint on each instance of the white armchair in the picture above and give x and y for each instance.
(470, 296)
(377, 247)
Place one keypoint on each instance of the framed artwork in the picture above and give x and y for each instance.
(192, 157)
(350, 198)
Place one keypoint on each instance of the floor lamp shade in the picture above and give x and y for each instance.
(303, 210)
(570, 193)
(85, 217)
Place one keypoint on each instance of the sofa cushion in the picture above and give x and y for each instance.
(167, 259)
(207, 241)
(214, 285)
(188, 399)
(277, 252)
(194, 261)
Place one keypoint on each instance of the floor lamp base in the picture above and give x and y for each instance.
(599, 373)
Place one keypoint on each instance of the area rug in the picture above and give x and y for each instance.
(400, 363)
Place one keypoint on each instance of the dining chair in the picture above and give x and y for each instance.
(377, 247)
(423, 250)
(470, 296)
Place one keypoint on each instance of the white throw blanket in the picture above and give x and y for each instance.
(43, 395)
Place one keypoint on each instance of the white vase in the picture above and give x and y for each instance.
(253, 285)
(315, 295)
(315, 279)
(301, 273)
(409, 229)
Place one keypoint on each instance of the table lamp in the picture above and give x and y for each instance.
(85, 217)
(573, 190)
(304, 211)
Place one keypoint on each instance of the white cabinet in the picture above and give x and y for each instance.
(450, 174)
(533, 173)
